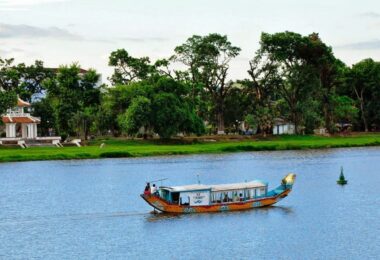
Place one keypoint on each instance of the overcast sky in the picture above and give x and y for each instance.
(86, 31)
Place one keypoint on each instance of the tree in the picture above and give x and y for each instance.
(82, 121)
(127, 68)
(70, 92)
(26, 81)
(330, 71)
(237, 105)
(364, 77)
(263, 89)
(116, 100)
(32, 78)
(162, 106)
(8, 99)
(44, 109)
(207, 59)
(9, 75)
(136, 116)
(344, 109)
(289, 53)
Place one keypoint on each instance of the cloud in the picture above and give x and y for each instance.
(143, 39)
(24, 5)
(370, 15)
(15, 3)
(9, 31)
(367, 45)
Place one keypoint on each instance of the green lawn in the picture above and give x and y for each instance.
(138, 148)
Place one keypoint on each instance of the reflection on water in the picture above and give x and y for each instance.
(161, 216)
(92, 208)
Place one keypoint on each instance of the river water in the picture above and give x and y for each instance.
(91, 209)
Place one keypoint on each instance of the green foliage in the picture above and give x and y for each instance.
(8, 99)
(293, 76)
(364, 82)
(345, 109)
(44, 109)
(136, 116)
(207, 59)
(127, 68)
(161, 105)
(71, 93)
(24, 80)
(168, 114)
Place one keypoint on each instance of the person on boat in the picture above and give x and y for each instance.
(236, 197)
(153, 189)
(147, 189)
(225, 197)
(241, 197)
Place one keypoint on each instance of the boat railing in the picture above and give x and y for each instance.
(240, 200)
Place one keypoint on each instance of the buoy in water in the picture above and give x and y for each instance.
(342, 180)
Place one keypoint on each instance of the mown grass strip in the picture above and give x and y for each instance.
(119, 148)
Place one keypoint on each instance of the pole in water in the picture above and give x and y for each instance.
(341, 180)
(199, 181)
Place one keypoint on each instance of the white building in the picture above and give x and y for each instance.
(19, 123)
(281, 127)
(21, 128)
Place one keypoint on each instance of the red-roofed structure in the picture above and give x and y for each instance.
(20, 124)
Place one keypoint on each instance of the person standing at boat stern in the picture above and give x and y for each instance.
(147, 189)
(153, 190)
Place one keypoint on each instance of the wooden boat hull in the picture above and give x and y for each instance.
(162, 205)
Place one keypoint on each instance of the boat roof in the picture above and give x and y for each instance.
(218, 187)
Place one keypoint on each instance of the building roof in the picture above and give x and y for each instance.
(20, 119)
(219, 187)
(22, 103)
(281, 121)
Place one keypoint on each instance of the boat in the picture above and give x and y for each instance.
(199, 198)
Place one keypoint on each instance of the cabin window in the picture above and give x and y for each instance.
(251, 193)
(175, 197)
(216, 197)
(164, 194)
(184, 199)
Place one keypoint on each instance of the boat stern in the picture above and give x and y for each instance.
(154, 201)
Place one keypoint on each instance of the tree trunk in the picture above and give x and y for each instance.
(328, 115)
(296, 123)
(363, 115)
(220, 118)
(361, 99)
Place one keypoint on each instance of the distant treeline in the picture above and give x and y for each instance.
(290, 76)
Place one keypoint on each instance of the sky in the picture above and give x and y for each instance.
(61, 32)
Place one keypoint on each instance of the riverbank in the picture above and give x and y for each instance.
(114, 148)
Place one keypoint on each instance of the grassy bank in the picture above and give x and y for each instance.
(128, 148)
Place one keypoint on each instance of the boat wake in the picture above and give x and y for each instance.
(60, 217)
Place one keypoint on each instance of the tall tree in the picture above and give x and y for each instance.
(263, 87)
(207, 58)
(70, 92)
(293, 56)
(26, 81)
(127, 68)
(330, 71)
(364, 77)
(162, 106)
(9, 75)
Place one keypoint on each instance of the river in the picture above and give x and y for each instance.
(91, 209)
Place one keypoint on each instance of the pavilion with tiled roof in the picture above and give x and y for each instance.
(19, 123)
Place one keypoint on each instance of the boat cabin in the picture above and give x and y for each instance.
(203, 195)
